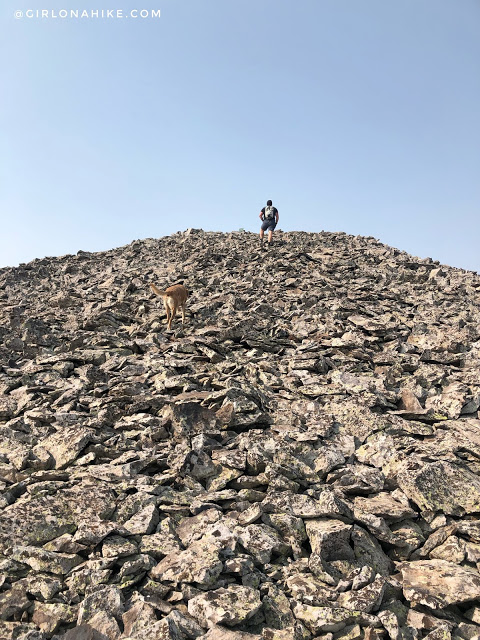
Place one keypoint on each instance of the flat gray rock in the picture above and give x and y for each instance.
(230, 606)
(437, 583)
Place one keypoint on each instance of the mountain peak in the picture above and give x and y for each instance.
(299, 459)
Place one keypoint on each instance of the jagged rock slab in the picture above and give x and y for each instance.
(230, 606)
(438, 583)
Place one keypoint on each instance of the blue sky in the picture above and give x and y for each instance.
(353, 115)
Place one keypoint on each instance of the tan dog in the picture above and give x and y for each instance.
(173, 297)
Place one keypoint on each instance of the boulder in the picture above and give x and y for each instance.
(438, 583)
(228, 606)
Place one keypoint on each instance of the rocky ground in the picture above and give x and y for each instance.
(301, 461)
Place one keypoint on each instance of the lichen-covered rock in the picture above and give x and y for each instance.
(65, 445)
(222, 633)
(368, 598)
(190, 529)
(291, 529)
(276, 608)
(139, 616)
(260, 541)
(369, 552)
(185, 624)
(325, 619)
(439, 634)
(106, 625)
(358, 479)
(83, 632)
(49, 616)
(308, 589)
(329, 541)
(201, 563)
(13, 602)
(438, 583)
(384, 505)
(108, 599)
(46, 561)
(329, 538)
(36, 520)
(230, 606)
(453, 550)
(143, 522)
(118, 547)
(441, 486)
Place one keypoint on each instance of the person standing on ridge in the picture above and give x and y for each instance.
(269, 217)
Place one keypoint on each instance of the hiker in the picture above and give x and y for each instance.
(269, 218)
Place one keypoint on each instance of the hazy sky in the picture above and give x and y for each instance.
(352, 115)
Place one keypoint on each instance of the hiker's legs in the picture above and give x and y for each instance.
(271, 229)
(263, 228)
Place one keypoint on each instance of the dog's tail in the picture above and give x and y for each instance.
(158, 291)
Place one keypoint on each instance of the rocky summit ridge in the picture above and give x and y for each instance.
(301, 460)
